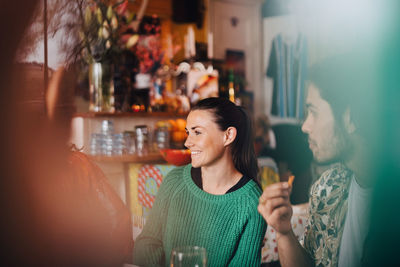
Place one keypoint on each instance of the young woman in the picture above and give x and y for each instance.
(212, 202)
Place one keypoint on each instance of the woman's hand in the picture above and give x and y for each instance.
(275, 207)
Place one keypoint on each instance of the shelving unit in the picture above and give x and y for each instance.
(160, 115)
(149, 158)
(116, 168)
(86, 123)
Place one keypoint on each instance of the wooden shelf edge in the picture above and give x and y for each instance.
(129, 114)
(150, 158)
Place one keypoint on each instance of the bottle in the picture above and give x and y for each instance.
(142, 92)
(231, 88)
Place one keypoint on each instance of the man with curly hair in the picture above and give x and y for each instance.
(338, 134)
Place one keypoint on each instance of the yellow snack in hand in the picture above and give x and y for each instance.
(291, 179)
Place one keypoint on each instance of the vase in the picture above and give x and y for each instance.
(101, 86)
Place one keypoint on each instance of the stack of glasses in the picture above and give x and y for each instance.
(108, 143)
(138, 142)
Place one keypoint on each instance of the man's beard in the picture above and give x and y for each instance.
(343, 148)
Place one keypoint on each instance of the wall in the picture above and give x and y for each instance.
(244, 35)
(271, 27)
(321, 43)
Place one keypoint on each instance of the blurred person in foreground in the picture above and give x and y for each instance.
(382, 245)
(338, 133)
(57, 207)
(212, 202)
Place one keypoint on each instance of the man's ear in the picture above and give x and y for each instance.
(230, 135)
(348, 122)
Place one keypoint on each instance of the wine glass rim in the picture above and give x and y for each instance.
(189, 249)
(183, 255)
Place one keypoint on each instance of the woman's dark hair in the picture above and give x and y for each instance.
(227, 114)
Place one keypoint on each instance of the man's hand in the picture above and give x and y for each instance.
(275, 207)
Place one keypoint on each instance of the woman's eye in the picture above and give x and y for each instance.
(197, 132)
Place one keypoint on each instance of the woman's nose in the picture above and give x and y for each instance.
(188, 143)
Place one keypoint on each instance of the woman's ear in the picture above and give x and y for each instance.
(230, 135)
(348, 122)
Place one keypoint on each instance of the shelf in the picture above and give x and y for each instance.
(150, 158)
(130, 114)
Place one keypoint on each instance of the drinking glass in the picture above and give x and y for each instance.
(189, 256)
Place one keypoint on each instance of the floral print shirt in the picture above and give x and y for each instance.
(327, 214)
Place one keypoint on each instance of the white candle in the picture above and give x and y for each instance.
(186, 46)
(192, 41)
(210, 52)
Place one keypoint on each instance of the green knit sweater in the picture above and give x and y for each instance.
(228, 226)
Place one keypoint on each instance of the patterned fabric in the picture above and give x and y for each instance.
(144, 181)
(328, 208)
(269, 252)
(149, 180)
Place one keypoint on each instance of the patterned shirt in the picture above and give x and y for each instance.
(327, 214)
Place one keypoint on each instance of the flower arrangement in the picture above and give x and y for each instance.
(105, 30)
(148, 48)
(108, 31)
(124, 43)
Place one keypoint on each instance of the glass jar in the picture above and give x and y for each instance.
(161, 136)
(129, 139)
(142, 140)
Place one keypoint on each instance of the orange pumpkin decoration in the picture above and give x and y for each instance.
(179, 136)
(180, 124)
